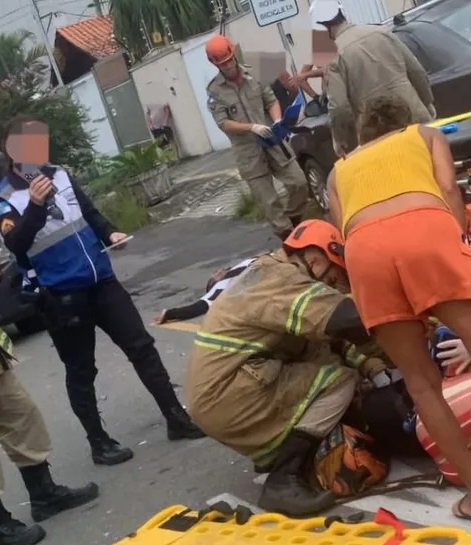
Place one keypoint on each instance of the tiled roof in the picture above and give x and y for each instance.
(94, 36)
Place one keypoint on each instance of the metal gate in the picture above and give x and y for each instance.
(122, 101)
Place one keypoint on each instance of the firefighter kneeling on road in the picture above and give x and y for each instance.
(275, 368)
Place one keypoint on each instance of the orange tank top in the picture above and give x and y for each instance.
(397, 164)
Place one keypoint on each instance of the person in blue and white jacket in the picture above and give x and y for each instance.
(52, 227)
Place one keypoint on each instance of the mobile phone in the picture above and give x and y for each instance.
(116, 244)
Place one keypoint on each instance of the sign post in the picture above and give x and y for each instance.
(269, 12)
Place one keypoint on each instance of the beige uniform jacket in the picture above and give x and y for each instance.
(249, 103)
(262, 355)
(373, 62)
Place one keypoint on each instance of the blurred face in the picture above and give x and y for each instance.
(326, 271)
(29, 144)
(230, 69)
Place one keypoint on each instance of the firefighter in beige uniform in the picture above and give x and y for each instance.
(244, 110)
(268, 375)
(25, 439)
(371, 62)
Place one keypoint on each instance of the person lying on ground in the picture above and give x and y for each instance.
(270, 374)
(219, 281)
(391, 197)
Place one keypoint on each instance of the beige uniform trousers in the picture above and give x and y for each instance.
(264, 193)
(23, 433)
(327, 410)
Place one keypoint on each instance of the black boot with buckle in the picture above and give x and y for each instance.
(48, 498)
(14, 532)
(285, 490)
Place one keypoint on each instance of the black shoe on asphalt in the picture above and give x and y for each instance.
(62, 498)
(47, 498)
(109, 452)
(15, 532)
(180, 426)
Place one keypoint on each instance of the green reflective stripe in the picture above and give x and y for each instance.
(326, 377)
(354, 358)
(227, 344)
(5, 343)
(295, 318)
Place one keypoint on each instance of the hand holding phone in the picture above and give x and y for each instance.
(39, 189)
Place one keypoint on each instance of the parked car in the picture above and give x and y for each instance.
(439, 34)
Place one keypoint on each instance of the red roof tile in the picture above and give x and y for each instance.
(94, 36)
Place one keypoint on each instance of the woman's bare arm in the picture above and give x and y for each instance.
(445, 173)
(334, 203)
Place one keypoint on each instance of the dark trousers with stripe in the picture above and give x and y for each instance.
(110, 307)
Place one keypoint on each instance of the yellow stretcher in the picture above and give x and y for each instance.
(181, 526)
(446, 121)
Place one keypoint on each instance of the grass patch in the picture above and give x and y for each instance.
(248, 209)
(123, 210)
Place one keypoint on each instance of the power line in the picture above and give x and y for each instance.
(47, 45)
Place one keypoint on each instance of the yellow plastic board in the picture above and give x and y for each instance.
(448, 120)
(266, 529)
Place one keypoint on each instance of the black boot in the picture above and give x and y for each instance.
(14, 532)
(180, 426)
(108, 452)
(48, 498)
(285, 491)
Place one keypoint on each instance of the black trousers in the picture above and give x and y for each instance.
(110, 307)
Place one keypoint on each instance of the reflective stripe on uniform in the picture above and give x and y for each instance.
(295, 318)
(327, 375)
(227, 344)
(6, 344)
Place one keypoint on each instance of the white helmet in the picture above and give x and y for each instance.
(322, 11)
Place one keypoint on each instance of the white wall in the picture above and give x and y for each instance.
(155, 79)
(201, 72)
(86, 92)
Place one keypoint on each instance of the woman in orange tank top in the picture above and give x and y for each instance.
(403, 219)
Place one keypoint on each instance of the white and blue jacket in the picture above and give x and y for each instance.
(66, 254)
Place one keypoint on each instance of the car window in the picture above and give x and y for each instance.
(419, 51)
(459, 21)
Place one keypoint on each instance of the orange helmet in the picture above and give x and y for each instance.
(321, 234)
(220, 49)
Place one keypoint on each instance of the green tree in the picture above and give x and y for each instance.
(184, 18)
(24, 90)
(26, 65)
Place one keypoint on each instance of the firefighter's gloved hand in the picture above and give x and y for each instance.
(454, 352)
(432, 111)
(261, 130)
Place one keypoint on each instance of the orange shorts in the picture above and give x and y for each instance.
(402, 265)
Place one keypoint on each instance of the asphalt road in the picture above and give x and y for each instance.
(164, 265)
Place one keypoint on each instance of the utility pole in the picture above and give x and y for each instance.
(98, 8)
(37, 18)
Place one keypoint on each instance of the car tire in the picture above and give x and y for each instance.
(317, 182)
(28, 326)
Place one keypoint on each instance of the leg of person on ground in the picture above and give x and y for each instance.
(295, 183)
(406, 345)
(117, 315)
(267, 198)
(25, 439)
(76, 348)
(286, 490)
